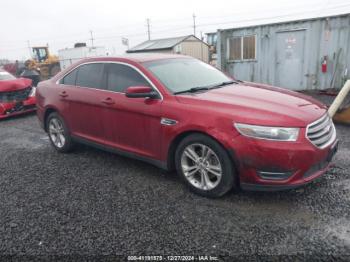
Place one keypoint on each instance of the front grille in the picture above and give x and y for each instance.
(322, 132)
(18, 108)
(11, 96)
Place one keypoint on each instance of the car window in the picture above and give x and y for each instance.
(90, 75)
(70, 78)
(120, 77)
(184, 73)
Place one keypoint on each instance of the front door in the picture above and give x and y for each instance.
(290, 59)
(133, 123)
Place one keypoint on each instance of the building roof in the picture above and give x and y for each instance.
(159, 44)
(270, 22)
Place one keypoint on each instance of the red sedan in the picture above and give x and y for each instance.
(17, 96)
(179, 113)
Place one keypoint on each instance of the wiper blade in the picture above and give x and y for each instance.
(193, 90)
(200, 88)
(225, 83)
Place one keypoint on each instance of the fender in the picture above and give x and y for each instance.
(44, 113)
(221, 137)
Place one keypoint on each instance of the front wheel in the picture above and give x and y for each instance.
(205, 166)
(58, 133)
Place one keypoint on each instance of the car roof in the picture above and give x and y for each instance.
(137, 57)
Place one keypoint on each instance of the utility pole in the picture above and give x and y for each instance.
(29, 49)
(92, 39)
(194, 24)
(202, 46)
(148, 29)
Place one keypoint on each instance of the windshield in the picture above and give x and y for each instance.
(6, 76)
(183, 74)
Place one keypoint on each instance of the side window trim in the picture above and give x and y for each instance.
(111, 62)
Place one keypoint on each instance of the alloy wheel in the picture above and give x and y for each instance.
(56, 132)
(201, 166)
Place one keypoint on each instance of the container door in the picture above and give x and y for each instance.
(290, 48)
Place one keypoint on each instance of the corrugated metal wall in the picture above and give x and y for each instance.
(320, 37)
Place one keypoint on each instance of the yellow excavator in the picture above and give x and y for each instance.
(46, 64)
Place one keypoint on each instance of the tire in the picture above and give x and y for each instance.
(209, 161)
(56, 127)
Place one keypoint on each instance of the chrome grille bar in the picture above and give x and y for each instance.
(320, 126)
(321, 133)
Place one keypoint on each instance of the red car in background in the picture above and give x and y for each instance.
(11, 68)
(17, 96)
(179, 113)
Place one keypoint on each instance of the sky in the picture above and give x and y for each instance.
(61, 23)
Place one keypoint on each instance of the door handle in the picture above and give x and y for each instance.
(63, 94)
(108, 101)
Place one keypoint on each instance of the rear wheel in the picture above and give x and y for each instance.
(205, 166)
(58, 133)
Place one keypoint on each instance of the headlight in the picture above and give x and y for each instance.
(32, 92)
(268, 132)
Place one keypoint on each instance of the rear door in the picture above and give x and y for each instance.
(133, 123)
(85, 99)
(66, 87)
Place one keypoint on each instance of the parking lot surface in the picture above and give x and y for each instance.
(90, 203)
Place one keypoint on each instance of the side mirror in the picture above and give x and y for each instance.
(141, 92)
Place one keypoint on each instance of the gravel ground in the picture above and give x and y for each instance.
(91, 203)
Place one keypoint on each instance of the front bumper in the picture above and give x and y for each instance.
(17, 108)
(294, 163)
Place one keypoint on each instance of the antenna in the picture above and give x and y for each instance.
(29, 48)
(194, 24)
(92, 39)
(148, 29)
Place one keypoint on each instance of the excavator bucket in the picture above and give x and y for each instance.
(342, 116)
(340, 108)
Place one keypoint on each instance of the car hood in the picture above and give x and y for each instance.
(14, 85)
(258, 104)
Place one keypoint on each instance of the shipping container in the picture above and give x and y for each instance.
(298, 55)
